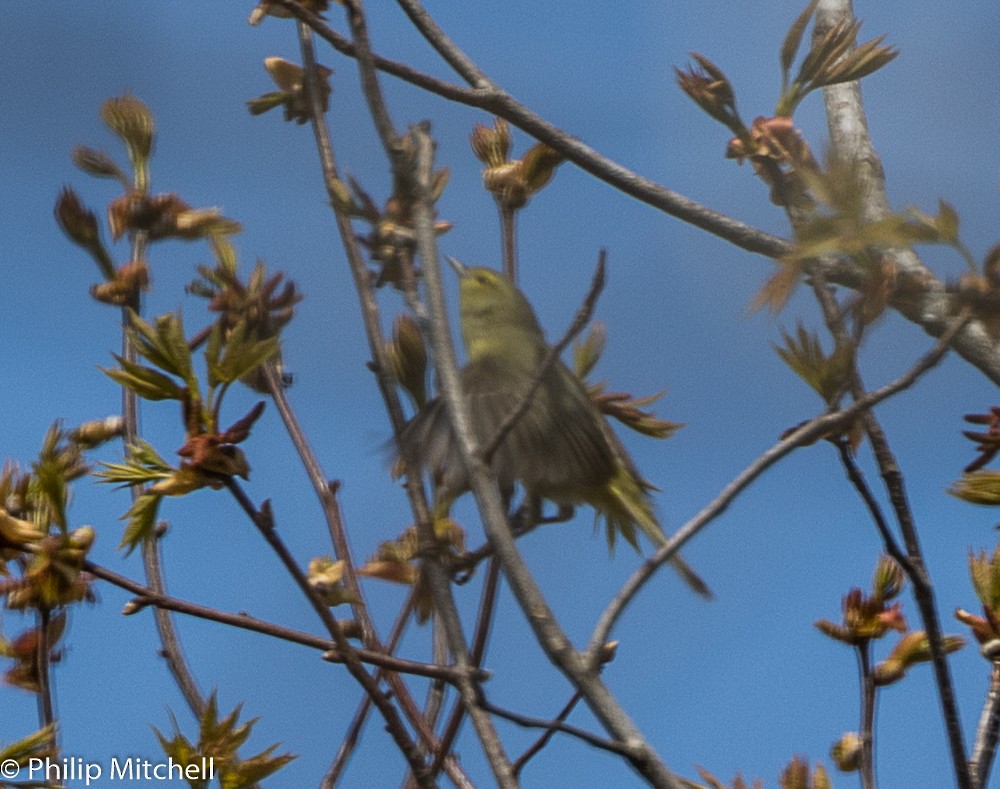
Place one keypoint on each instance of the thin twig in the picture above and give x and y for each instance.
(446, 48)
(857, 479)
(263, 520)
(146, 596)
(169, 640)
(580, 320)
(376, 344)
(438, 579)
(508, 238)
(803, 435)
(867, 731)
(556, 725)
(498, 102)
(913, 564)
(480, 638)
(328, 503)
(923, 594)
(542, 741)
(361, 716)
(43, 658)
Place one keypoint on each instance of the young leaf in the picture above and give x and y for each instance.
(790, 46)
(141, 521)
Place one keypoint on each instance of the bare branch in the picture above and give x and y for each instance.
(147, 597)
(555, 725)
(542, 741)
(803, 435)
(444, 352)
(262, 519)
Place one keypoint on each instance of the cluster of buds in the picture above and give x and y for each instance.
(985, 573)
(796, 775)
(870, 617)
(53, 575)
(211, 455)
(24, 651)
(258, 309)
(166, 216)
(293, 94)
(773, 145)
(135, 211)
(867, 617)
(512, 182)
(399, 561)
(391, 242)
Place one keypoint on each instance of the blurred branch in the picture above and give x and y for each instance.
(43, 661)
(851, 142)
(807, 433)
(930, 308)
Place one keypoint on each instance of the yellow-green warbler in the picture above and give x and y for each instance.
(561, 448)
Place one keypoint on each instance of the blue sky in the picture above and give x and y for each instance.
(742, 683)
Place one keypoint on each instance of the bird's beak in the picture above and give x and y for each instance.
(460, 269)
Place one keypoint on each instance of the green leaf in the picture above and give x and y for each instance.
(37, 745)
(141, 521)
(790, 46)
(979, 487)
(142, 465)
(804, 355)
(947, 223)
(165, 346)
(242, 355)
(146, 382)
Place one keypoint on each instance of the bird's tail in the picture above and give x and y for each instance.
(628, 505)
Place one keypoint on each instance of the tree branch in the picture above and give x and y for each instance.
(803, 435)
(930, 308)
(529, 596)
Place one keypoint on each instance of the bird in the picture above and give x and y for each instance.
(560, 449)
